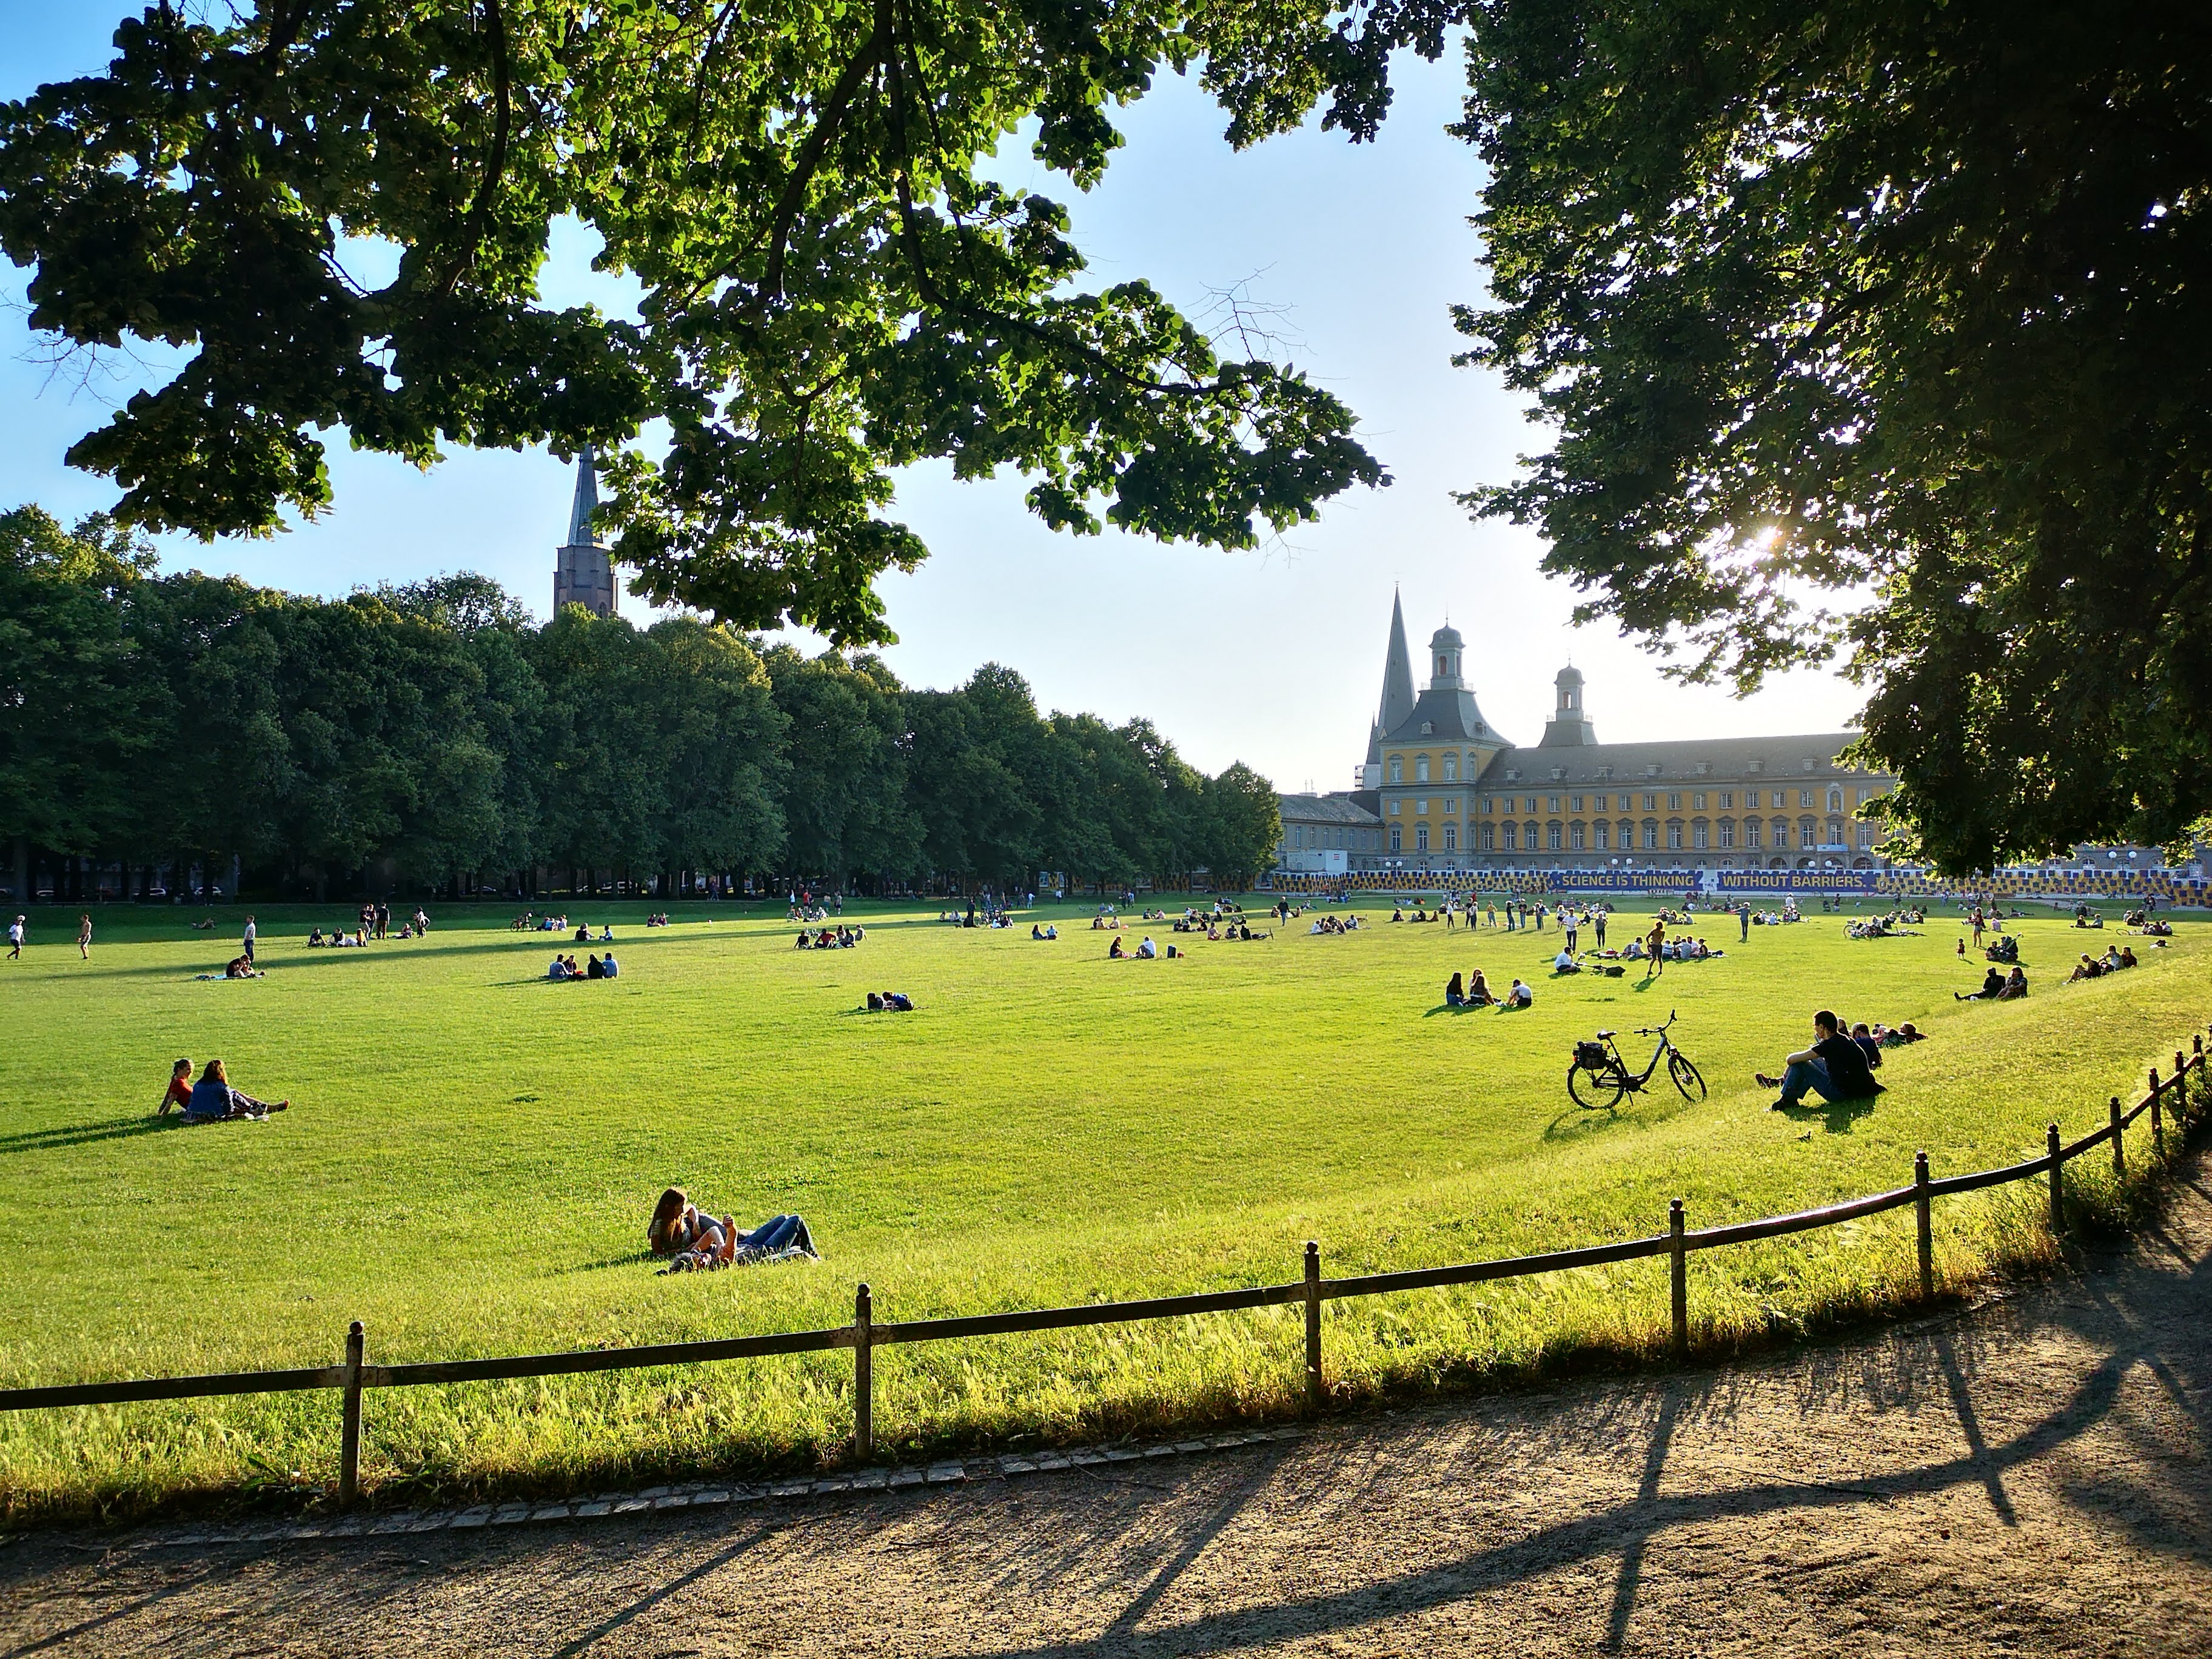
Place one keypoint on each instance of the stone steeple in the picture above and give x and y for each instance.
(1397, 695)
(583, 570)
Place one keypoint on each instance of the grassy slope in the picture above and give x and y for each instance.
(472, 1152)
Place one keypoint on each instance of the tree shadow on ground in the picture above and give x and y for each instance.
(80, 1135)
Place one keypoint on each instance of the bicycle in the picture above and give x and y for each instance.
(1598, 1077)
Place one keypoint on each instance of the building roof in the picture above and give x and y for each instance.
(1326, 809)
(1730, 758)
(1397, 684)
(1450, 715)
(580, 533)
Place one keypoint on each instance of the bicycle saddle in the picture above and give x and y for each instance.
(1604, 1033)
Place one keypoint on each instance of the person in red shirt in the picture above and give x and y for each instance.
(181, 1089)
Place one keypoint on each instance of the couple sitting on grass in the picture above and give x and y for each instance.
(211, 1100)
(695, 1242)
(1837, 1067)
(1477, 994)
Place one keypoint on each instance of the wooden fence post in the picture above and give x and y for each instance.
(1681, 1280)
(2158, 1118)
(864, 1376)
(2058, 1196)
(1313, 1388)
(1921, 1205)
(2180, 1086)
(2120, 1158)
(349, 1423)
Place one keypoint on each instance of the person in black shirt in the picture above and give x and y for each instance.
(1834, 1068)
(1993, 985)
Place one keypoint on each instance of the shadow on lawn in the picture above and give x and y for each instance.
(80, 1135)
(1839, 1115)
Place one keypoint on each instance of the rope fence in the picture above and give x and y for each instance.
(2167, 1100)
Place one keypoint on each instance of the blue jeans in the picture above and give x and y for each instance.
(1805, 1074)
(785, 1233)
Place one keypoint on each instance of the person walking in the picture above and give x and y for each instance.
(1656, 944)
(15, 939)
(248, 940)
(1572, 929)
(1600, 915)
(1743, 921)
(84, 936)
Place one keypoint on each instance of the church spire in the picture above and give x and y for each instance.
(1397, 704)
(583, 570)
(1397, 673)
(580, 533)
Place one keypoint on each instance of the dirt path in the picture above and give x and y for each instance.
(2031, 1477)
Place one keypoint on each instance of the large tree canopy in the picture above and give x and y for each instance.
(833, 287)
(1884, 328)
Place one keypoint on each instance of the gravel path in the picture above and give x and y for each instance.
(2030, 1477)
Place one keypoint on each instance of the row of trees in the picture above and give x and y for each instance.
(429, 734)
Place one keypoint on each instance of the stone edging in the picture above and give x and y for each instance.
(703, 1494)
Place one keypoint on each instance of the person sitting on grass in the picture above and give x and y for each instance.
(1992, 987)
(608, 967)
(592, 968)
(213, 1100)
(1520, 996)
(179, 1092)
(1455, 991)
(1564, 963)
(2128, 957)
(1479, 994)
(1148, 950)
(315, 937)
(2016, 987)
(1113, 951)
(1897, 1037)
(241, 968)
(1834, 1068)
(558, 970)
(1868, 1045)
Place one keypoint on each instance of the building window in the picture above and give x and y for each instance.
(1673, 803)
(1835, 832)
(1804, 797)
(1674, 835)
(1397, 769)
(1651, 834)
(1397, 838)
(1421, 768)
(1697, 802)
(1727, 799)
(1751, 835)
(1601, 827)
(1297, 837)
(1451, 805)
(1575, 836)
(1512, 836)
(1626, 839)
(1451, 769)
(1780, 798)
(1577, 803)
(1489, 838)
(1421, 807)
(1420, 838)
(1451, 838)
(1807, 835)
(1551, 803)
(1529, 836)
(1650, 803)
(1727, 835)
(1551, 837)
(1698, 834)
(1487, 805)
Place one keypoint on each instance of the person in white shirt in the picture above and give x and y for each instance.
(1564, 963)
(16, 939)
(249, 938)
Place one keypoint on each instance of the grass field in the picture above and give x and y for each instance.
(472, 1152)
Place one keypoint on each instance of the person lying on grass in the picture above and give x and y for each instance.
(890, 1002)
(1834, 1067)
(213, 1100)
(695, 1241)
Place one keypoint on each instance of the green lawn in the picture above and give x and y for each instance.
(472, 1152)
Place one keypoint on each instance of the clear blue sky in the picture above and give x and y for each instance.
(1272, 657)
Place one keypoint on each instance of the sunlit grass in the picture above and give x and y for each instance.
(472, 1151)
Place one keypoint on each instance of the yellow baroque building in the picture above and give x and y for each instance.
(1442, 789)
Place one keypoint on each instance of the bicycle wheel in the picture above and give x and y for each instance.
(1686, 1077)
(1596, 1090)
